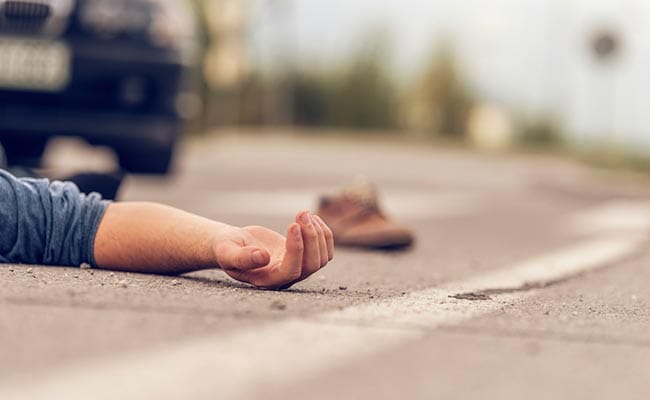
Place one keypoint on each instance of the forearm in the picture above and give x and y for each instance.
(153, 238)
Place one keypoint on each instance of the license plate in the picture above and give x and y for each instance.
(29, 64)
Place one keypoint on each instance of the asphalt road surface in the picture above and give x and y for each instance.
(529, 279)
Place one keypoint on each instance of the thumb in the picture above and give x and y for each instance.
(230, 255)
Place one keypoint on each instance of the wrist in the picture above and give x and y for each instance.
(224, 233)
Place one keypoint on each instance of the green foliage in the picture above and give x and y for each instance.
(364, 96)
(360, 94)
(311, 95)
(439, 101)
(541, 131)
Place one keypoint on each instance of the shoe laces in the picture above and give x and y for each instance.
(364, 194)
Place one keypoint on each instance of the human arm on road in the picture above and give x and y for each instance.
(154, 238)
(52, 223)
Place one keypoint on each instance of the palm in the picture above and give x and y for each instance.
(265, 258)
(264, 238)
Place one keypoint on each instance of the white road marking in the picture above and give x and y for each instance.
(248, 362)
(400, 204)
(613, 216)
(430, 308)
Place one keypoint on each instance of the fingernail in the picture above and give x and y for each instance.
(258, 257)
(305, 218)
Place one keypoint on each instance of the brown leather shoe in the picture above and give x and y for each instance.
(356, 219)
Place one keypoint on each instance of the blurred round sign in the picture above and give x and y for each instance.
(605, 45)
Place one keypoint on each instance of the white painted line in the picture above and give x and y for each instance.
(224, 367)
(249, 361)
(613, 216)
(433, 307)
(400, 204)
(246, 363)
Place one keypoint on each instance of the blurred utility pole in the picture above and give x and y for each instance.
(227, 62)
(280, 104)
(605, 45)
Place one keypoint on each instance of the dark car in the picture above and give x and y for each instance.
(113, 72)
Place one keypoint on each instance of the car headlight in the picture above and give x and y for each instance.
(164, 23)
(173, 25)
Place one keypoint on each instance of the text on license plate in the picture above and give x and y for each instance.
(41, 65)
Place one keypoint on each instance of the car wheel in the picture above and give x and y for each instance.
(23, 151)
(145, 160)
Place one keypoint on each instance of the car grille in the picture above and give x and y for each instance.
(24, 16)
(25, 10)
(34, 16)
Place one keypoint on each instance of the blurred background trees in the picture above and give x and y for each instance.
(360, 92)
(508, 73)
(439, 100)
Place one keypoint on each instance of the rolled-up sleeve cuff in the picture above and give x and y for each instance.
(95, 219)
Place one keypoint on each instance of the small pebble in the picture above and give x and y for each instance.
(29, 270)
(123, 283)
(278, 305)
(111, 274)
(76, 276)
(343, 288)
(85, 266)
(175, 282)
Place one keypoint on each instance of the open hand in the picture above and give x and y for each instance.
(266, 259)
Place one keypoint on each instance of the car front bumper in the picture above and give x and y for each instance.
(97, 127)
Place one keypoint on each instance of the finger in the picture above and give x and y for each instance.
(279, 276)
(329, 237)
(322, 245)
(290, 271)
(311, 255)
(230, 255)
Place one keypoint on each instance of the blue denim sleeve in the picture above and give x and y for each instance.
(43, 222)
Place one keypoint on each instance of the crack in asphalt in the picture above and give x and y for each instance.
(486, 294)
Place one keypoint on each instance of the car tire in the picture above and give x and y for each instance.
(140, 160)
(23, 151)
